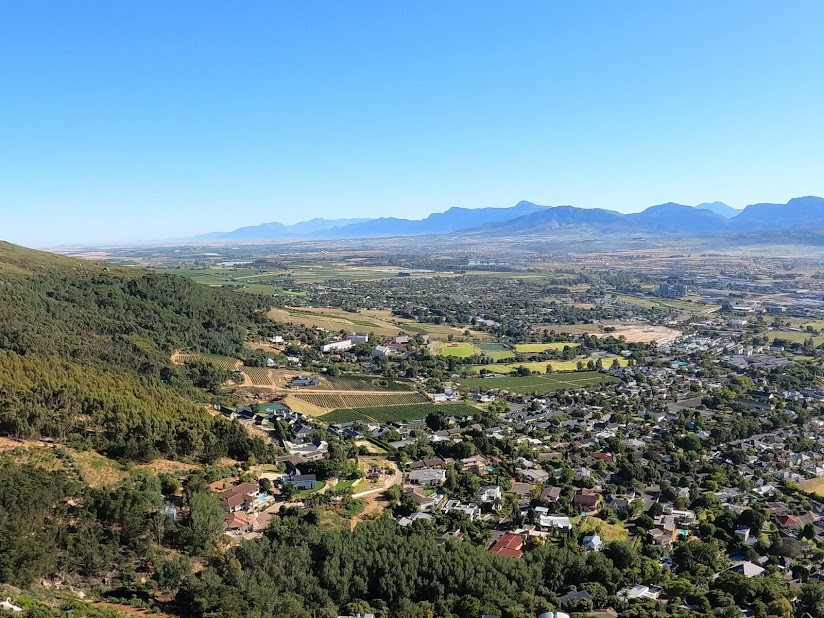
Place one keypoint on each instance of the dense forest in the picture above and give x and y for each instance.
(85, 357)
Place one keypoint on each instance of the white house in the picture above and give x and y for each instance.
(490, 493)
(593, 542)
(552, 521)
(473, 511)
(427, 477)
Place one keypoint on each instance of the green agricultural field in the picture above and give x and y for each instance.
(250, 280)
(795, 336)
(387, 414)
(496, 351)
(540, 366)
(539, 383)
(526, 348)
(500, 356)
(652, 302)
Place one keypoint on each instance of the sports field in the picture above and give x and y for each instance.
(539, 383)
(461, 350)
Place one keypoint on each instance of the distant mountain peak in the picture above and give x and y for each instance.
(720, 208)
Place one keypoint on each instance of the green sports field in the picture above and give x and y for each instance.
(460, 350)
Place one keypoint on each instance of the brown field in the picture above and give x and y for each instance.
(303, 407)
(378, 322)
(643, 333)
(335, 401)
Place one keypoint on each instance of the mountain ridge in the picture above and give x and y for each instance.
(527, 218)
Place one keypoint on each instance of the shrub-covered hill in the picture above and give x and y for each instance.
(84, 355)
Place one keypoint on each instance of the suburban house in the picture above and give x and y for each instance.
(592, 542)
(239, 497)
(509, 544)
(421, 500)
(574, 597)
(551, 495)
(427, 477)
(473, 511)
(534, 476)
(586, 499)
(748, 569)
(302, 481)
(490, 493)
(477, 465)
(553, 522)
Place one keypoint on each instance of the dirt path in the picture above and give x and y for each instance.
(396, 479)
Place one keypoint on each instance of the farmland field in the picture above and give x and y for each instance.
(495, 351)
(303, 407)
(333, 401)
(795, 336)
(397, 413)
(539, 383)
(526, 348)
(540, 366)
(260, 376)
(677, 304)
(366, 383)
(221, 362)
(375, 321)
(641, 331)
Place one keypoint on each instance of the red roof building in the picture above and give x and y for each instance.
(509, 544)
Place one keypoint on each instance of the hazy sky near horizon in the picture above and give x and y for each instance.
(154, 119)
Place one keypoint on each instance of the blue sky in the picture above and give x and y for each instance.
(154, 119)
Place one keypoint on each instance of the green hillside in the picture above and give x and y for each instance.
(84, 356)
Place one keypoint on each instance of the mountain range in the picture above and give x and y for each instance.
(526, 218)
